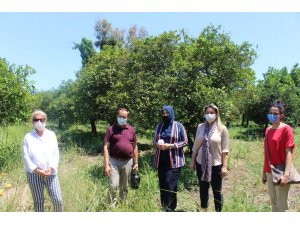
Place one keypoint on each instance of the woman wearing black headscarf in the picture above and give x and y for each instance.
(169, 139)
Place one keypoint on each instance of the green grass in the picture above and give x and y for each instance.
(85, 187)
(10, 146)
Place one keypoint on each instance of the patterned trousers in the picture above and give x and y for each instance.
(36, 183)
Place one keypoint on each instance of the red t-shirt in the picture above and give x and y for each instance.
(122, 141)
(279, 140)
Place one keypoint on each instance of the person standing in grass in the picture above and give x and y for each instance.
(278, 149)
(120, 155)
(210, 155)
(169, 139)
(41, 157)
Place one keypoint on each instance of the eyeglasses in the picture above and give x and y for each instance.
(37, 119)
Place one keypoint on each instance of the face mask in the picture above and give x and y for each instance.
(273, 118)
(210, 117)
(165, 118)
(39, 125)
(121, 121)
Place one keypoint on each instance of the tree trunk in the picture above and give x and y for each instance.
(191, 131)
(245, 121)
(60, 124)
(191, 143)
(93, 126)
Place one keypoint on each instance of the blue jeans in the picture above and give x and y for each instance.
(216, 184)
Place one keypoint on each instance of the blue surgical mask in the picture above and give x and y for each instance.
(273, 118)
(121, 121)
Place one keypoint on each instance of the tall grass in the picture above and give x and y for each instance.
(10, 146)
(85, 187)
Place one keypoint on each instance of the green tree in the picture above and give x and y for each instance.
(104, 74)
(107, 35)
(86, 49)
(15, 92)
(278, 84)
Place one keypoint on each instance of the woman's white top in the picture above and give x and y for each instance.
(40, 152)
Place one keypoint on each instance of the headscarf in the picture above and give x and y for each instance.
(206, 159)
(167, 126)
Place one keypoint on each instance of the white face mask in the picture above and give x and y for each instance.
(210, 117)
(39, 125)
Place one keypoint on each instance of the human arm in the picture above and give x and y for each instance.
(264, 176)
(135, 158)
(197, 144)
(266, 160)
(193, 161)
(225, 150)
(53, 165)
(225, 156)
(284, 179)
(106, 158)
(26, 156)
(289, 146)
(182, 139)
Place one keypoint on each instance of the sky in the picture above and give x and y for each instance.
(44, 40)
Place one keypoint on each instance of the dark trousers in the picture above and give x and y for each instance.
(168, 180)
(216, 184)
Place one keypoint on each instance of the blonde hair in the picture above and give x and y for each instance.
(38, 112)
(218, 118)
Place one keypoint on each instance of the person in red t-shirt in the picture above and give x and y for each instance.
(279, 138)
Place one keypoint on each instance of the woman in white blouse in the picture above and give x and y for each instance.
(210, 155)
(41, 156)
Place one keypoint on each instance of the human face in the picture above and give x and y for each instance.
(165, 113)
(122, 118)
(39, 123)
(123, 114)
(210, 115)
(165, 116)
(274, 115)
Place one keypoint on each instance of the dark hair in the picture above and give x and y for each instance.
(280, 105)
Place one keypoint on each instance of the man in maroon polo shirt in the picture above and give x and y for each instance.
(120, 155)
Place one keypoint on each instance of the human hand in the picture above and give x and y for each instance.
(107, 170)
(40, 172)
(47, 172)
(264, 178)
(224, 171)
(193, 165)
(284, 180)
(135, 167)
(161, 146)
